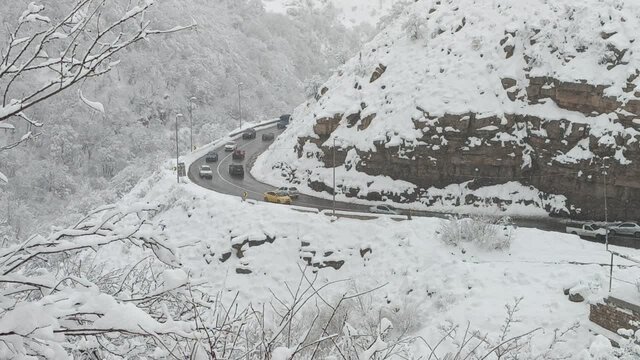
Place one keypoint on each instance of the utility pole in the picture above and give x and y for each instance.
(177, 149)
(239, 105)
(334, 177)
(191, 100)
(606, 212)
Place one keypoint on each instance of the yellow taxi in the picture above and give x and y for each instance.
(272, 196)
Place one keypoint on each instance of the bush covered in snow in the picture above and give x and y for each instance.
(487, 233)
(602, 349)
(414, 27)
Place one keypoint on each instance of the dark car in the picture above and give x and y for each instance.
(211, 157)
(284, 121)
(236, 170)
(238, 154)
(249, 134)
(268, 137)
(285, 117)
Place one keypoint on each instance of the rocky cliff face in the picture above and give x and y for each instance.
(459, 148)
(545, 102)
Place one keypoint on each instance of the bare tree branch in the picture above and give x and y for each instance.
(89, 44)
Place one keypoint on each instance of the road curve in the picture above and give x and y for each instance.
(222, 182)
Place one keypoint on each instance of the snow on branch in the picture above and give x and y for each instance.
(88, 45)
(26, 137)
(41, 305)
(92, 104)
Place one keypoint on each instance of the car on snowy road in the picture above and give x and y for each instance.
(272, 196)
(384, 209)
(238, 154)
(627, 228)
(236, 170)
(291, 192)
(249, 134)
(230, 146)
(211, 157)
(205, 172)
(268, 137)
(284, 121)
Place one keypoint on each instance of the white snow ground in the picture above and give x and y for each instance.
(425, 280)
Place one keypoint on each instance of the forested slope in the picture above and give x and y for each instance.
(84, 158)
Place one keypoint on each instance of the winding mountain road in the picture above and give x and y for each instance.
(224, 183)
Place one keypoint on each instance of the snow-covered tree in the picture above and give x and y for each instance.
(414, 26)
(312, 86)
(54, 307)
(397, 9)
(45, 56)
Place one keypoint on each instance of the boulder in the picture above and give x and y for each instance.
(377, 73)
(577, 298)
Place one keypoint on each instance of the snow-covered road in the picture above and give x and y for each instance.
(223, 183)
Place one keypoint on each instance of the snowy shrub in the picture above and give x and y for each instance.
(307, 324)
(414, 27)
(487, 233)
(312, 87)
(361, 69)
(394, 13)
(459, 342)
(55, 303)
(602, 349)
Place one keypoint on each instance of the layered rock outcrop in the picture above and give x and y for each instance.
(525, 148)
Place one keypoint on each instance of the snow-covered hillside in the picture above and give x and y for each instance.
(257, 250)
(396, 288)
(350, 12)
(532, 93)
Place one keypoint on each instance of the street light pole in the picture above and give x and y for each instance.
(191, 100)
(177, 149)
(334, 177)
(606, 215)
(239, 105)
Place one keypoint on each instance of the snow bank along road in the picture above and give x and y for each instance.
(224, 183)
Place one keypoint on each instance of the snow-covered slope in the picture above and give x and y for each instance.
(500, 91)
(239, 255)
(254, 249)
(350, 12)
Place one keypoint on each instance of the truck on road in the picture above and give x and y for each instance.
(587, 230)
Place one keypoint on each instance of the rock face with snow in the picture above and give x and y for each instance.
(457, 97)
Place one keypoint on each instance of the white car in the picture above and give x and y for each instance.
(627, 228)
(384, 209)
(206, 172)
(231, 146)
(291, 192)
